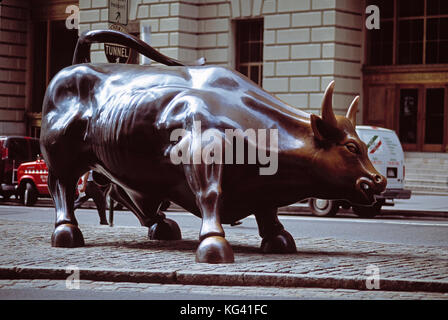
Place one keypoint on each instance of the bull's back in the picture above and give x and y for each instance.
(125, 113)
(101, 85)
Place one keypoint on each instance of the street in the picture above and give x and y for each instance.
(421, 231)
(412, 249)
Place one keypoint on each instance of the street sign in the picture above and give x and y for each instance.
(118, 11)
(116, 53)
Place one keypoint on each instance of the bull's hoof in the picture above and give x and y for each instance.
(214, 249)
(166, 230)
(280, 243)
(67, 236)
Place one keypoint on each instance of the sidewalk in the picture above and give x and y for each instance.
(124, 254)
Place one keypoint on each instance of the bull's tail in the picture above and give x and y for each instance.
(82, 51)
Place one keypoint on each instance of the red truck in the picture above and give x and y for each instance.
(14, 150)
(32, 181)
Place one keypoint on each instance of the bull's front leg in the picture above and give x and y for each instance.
(205, 182)
(67, 233)
(275, 238)
(213, 248)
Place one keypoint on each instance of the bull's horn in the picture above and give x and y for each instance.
(327, 106)
(351, 113)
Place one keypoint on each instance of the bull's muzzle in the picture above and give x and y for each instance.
(370, 186)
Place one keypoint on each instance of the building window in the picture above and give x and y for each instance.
(434, 114)
(409, 34)
(380, 41)
(249, 49)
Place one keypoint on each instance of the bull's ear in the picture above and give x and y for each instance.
(351, 113)
(322, 130)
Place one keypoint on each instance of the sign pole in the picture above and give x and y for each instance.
(118, 19)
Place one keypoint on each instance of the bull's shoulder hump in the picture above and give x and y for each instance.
(215, 77)
(78, 71)
(76, 81)
(76, 78)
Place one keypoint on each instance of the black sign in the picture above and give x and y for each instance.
(116, 53)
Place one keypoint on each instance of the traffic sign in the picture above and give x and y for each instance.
(118, 11)
(116, 53)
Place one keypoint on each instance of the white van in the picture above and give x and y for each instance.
(386, 154)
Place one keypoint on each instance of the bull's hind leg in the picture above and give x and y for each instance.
(147, 210)
(67, 233)
(164, 229)
(159, 227)
(275, 238)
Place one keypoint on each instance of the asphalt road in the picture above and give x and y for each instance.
(51, 294)
(384, 230)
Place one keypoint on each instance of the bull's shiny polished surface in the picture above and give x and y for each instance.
(118, 120)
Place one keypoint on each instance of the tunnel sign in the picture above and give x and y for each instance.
(116, 53)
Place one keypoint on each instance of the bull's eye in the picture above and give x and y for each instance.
(353, 148)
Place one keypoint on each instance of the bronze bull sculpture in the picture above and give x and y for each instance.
(143, 128)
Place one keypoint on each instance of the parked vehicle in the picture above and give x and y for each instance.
(386, 154)
(32, 180)
(14, 150)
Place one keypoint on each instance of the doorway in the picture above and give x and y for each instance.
(51, 49)
(422, 117)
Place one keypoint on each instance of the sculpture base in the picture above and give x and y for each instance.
(214, 249)
(67, 236)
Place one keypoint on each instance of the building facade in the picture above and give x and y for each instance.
(292, 48)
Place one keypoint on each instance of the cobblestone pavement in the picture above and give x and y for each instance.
(327, 263)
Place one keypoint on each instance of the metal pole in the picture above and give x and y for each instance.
(111, 211)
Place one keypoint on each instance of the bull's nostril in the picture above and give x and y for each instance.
(365, 186)
(378, 178)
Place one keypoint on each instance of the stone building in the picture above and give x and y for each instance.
(292, 48)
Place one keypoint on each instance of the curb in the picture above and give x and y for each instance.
(220, 279)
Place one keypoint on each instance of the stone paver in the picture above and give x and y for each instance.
(330, 263)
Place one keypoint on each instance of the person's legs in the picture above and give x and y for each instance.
(80, 201)
(94, 192)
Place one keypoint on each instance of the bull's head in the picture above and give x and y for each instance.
(341, 159)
